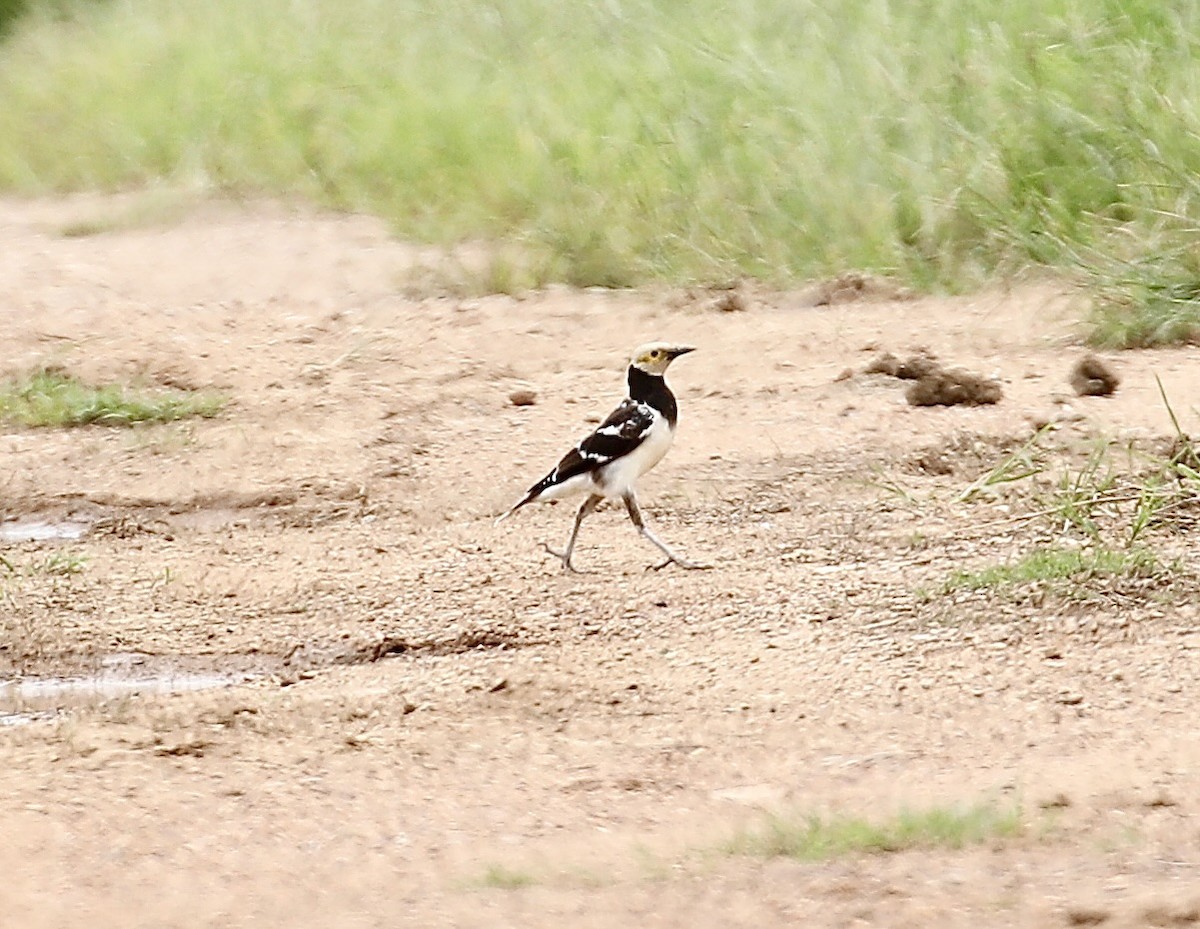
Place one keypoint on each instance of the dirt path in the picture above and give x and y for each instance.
(430, 725)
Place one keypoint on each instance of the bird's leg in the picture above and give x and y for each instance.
(635, 514)
(588, 506)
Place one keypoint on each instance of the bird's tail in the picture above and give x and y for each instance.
(530, 495)
(528, 498)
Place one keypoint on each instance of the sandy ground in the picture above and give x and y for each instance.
(431, 725)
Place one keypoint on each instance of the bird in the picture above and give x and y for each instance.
(607, 464)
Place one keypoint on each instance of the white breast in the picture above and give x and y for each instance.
(619, 477)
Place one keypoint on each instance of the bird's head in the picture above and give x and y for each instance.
(655, 357)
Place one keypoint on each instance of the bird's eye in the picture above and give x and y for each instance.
(656, 354)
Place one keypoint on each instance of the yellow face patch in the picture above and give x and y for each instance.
(654, 357)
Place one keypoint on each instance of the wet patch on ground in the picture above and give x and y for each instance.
(29, 699)
(38, 530)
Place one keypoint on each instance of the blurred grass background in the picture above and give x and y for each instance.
(624, 141)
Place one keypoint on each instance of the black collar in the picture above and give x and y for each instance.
(652, 390)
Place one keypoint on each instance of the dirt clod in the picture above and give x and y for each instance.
(182, 747)
(731, 302)
(1087, 916)
(1093, 377)
(883, 363)
(852, 287)
(1184, 450)
(523, 396)
(1160, 915)
(953, 387)
(934, 461)
(912, 368)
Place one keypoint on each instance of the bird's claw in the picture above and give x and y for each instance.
(564, 558)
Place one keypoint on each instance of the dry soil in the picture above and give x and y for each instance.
(429, 724)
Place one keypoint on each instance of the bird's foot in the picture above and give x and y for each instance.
(681, 562)
(564, 557)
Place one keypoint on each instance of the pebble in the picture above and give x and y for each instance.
(523, 396)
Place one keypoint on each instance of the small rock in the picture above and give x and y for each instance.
(523, 396)
(499, 685)
(845, 375)
(1092, 377)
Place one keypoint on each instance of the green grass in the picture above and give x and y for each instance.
(616, 143)
(58, 564)
(506, 878)
(813, 838)
(51, 397)
(1155, 302)
(1056, 566)
(1111, 518)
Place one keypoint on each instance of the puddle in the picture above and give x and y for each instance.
(22, 719)
(41, 530)
(106, 686)
(33, 699)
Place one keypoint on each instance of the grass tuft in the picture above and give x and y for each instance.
(50, 397)
(506, 878)
(813, 838)
(56, 564)
(1149, 302)
(1055, 566)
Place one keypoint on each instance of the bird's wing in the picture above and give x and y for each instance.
(624, 430)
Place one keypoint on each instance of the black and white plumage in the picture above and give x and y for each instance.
(631, 441)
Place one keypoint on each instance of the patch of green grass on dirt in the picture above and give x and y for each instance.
(50, 397)
(506, 878)
(59, 564)
(1092, 526)
(1058, 566)
(814, 838)
(619, 143)
(24, 635)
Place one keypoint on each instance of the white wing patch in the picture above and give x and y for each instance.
(631, 441)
